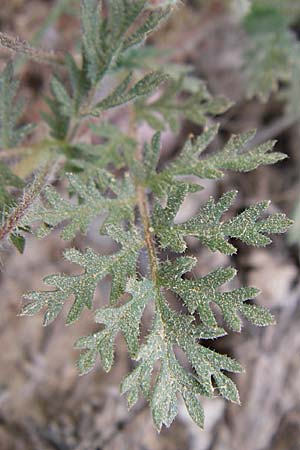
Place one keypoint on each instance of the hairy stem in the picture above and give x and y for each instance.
(143, 205)
(17, 45)
(148, 232)
(12, 220)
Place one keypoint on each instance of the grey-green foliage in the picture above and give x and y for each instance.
(233, 156)
(11, 134)
(173, 329)
(208, 226)
(196, 107)
(108, 45)
(91, 203)
(198, 294)
(120, 266)
(125, 318)
(124, 184)
(103, 44)
(273, 54)
(169, 327)
(11, 110)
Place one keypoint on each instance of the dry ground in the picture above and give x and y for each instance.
(44, 405)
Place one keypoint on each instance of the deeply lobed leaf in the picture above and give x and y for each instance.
(120, 266)
(125, 318)
(198, 295)
(191, 162)
(91, 203)
(169, 329)
(208, 227)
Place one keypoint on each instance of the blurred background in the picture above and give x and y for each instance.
(249, 52)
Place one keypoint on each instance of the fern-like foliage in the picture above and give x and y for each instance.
(11, 110)
(120, 266)
(208, 227)
(76, 218)
(11, 134)
(273, 54)
(188, 163)
(196, 107)
(121, 182)
(169, 328)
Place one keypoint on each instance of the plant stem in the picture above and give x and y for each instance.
(143, 204)
(148, 232)
(12, 220)
(17, 45)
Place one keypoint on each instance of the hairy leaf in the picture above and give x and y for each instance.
(125, 318)
(208, 227)
(11, 110)
(171, 329)
(120, 266)
(191, 161)
(171, 109)
(92, 204)
(199, 294)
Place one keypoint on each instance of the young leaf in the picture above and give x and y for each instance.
(124, 94)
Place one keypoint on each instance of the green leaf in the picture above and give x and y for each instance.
(120, 266)
(124, 94)
(57, 122)
(11, 111)
(106, 40)
(18, 241)
(92, 203)
(196, 107)
(208, 227)
(125, 318)
(194, 408)
(169, 329)
(62, 97)
(188, 163)
(152, 22)
(80, 84)
(198, 295)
